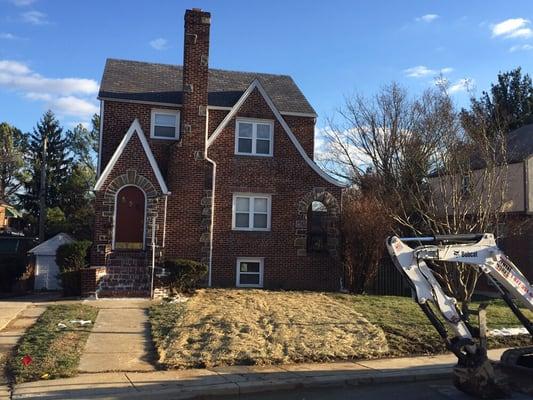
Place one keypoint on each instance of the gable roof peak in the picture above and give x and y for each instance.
(135, 128)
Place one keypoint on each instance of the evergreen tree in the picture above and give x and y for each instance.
(12, 146)
(78, 206)
(508, 105)
(58, 165)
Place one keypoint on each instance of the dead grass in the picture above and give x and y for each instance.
(229, 327)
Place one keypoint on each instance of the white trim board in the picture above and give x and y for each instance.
(222, 108)
(134, 128)
(294, 140)
(154, 103)
(101, 130)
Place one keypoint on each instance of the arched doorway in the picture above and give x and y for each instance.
(130, 209)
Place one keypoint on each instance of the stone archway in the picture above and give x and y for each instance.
(130, 178)
(130, 219)
(332, 220)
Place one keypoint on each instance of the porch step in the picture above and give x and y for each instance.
(127, 275)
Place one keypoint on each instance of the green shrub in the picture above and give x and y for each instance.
(73, 256)
(184, 275)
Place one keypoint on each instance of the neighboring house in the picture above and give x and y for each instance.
(515, 201)
(9, 216)
(218, 166)
(46, 268)
(518, 236)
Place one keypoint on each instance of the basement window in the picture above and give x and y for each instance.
(249, 272)
(165, 124)
(254, 137)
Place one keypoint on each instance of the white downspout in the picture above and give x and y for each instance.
(212, 201)
(165, 221)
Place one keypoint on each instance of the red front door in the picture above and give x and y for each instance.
(129, 220)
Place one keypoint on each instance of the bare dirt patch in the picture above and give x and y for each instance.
(229, 327)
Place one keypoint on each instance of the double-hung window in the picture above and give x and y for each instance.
(251, 212)
(165, 124)
(254, 137)
(250, 272)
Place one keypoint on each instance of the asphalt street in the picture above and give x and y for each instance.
(434, 390)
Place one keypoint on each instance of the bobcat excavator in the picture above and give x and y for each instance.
(474, 373)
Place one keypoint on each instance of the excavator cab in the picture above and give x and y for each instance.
(474, 373)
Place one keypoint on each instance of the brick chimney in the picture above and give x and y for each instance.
(195, 70)
(187, 169)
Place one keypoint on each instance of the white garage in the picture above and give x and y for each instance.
(46, 269)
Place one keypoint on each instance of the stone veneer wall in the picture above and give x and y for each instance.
(333, 220)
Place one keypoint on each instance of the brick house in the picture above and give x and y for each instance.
(218, 167)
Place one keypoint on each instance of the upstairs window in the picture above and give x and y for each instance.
(165, 124)
(254, 137)
(251, 212)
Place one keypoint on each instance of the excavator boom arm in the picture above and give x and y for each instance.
(474, 371)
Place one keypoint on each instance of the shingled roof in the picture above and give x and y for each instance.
(162, 83)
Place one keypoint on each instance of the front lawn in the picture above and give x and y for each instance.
(54, 350)
(228, 327)
(409, 332)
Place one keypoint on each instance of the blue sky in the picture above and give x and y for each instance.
(52, 53)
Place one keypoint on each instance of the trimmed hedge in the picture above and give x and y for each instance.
(184, 275)
(71, 258)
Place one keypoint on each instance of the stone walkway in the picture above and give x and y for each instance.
(120, 339)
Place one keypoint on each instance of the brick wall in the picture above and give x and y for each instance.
(90, 278)
(290, 180)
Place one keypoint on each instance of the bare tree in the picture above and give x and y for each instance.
(363, 246)
(431, 177)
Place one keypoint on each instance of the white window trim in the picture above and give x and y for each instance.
(168, 112)
(238, 273)
(254, 122)
(251, 211)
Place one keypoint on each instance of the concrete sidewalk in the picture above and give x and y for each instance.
(120, 339)
(15, 318)
(237, 380)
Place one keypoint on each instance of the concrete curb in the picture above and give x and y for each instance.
(237, 380)
(247, 387)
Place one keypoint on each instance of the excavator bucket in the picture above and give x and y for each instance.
(482, 381)
(517, 364)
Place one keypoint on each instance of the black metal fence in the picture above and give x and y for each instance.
(389, 281)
